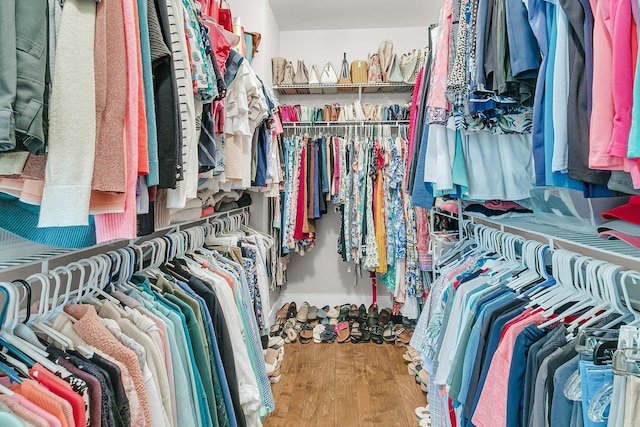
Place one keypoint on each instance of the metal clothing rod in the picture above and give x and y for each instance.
(344, 124)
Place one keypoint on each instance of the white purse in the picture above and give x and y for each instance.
(314, 79)
(329, 77)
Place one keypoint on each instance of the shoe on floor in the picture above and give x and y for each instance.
(292, 311)
(275, 342)
(303, 313)
(426, 422)
(423, 412)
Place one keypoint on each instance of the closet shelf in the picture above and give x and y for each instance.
(332, 89)
(559, 236)
(40, 254)
(295, 125)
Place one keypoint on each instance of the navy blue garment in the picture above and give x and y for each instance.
(422, 195)
(261, 164)
(523, 49)
(517, 371)
(491, 348)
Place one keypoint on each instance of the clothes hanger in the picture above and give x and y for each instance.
(602, 307)
(38, 321)
(24, 351)
(634, 278)
(19, 327)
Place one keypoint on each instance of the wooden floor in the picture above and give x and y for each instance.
(344, 385)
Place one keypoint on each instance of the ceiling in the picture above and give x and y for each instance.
(298, 15)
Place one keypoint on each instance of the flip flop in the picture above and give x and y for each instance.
(342, 330)
(276, 330)
(305, 334)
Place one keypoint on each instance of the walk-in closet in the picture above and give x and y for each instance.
(279, 213)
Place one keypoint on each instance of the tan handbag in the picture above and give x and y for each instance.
(288, 75)
(385, 55)
(359, 72)
(302, 75)
(277, 70)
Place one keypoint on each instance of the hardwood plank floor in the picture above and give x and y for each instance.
(344, 385)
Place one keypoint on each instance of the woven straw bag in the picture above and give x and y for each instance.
(359, 72)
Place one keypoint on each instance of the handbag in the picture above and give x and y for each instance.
(375, 72)
(385, 56)
(359, 72)
(302, 75)
(358, 111)
(288, 75)
(277, 70)
(225, 17)
(395, 76)
(284, 113)
(407, 65)
(329, 77)
(345, 78)
(314, 79)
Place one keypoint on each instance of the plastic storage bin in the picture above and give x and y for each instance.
(570, 210)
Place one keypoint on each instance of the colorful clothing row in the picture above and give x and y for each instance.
(102, 145)
(179, 346)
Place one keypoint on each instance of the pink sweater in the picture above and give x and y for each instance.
(123, 225)
(623, 62)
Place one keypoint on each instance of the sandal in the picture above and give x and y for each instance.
(389, 335)
(342, 330)
(384, 317)
(305, 334)
(322, 312)
(328, 335)
(317, 331)
(372, 315)
(281, 316)
(344, 313)
(376, 334)
(362, 314)
(423, 412)
(333, 313)
(356, 333)
(313, 313)
(276, 330)
(403, 336)
(292, 311)
(353, 312)
(290, 331)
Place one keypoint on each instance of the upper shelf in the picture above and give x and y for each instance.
(332, 89)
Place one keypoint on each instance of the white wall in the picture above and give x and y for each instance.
(320, 276)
